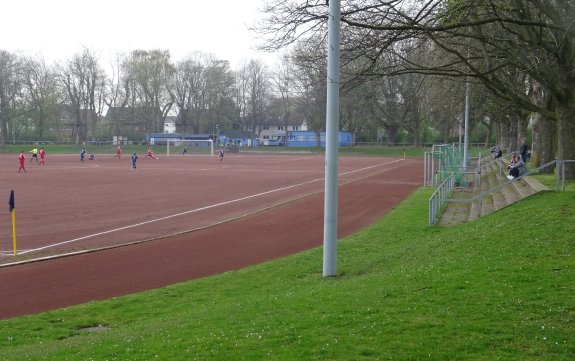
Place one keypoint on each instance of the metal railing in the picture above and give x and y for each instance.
(439, 197)
(560, 177)
(488, 192)
(561, 165)
(443, 160)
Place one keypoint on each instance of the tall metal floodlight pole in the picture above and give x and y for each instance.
(332, 129)
(466, 131)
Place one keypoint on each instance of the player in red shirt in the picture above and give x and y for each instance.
(118, 152)
(42, 155)
(150, 154)
(22, 158)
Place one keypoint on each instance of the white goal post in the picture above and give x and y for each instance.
(185, 146)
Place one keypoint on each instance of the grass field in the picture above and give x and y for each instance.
(500, 288)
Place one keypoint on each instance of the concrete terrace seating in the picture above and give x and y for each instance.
(492, 177)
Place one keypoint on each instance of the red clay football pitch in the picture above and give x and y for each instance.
(97, 230)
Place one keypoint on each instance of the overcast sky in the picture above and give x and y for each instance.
(57, 29)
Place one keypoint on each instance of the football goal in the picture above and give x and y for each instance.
(186, 146)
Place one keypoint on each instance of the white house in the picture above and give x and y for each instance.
(170, 125)
(273, 131)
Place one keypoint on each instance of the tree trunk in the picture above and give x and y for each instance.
(3, 129)
(391, 133)
(508, 136)
(489, 127)
(498, 135)
(417, 130)
(566, 134)
(445, 132)
(542, 148)
(543, 143)
(522, 124)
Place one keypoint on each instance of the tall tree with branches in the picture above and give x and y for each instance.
(42, 95)
(188, 91)
(82, 80)
(253, 94)
(310, 64)
(220, 86)
(492, 41)
(150, 73)
(10, 91)
(284, 85)
(118, 91)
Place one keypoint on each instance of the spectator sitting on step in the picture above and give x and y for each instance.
(516, 167)
(499, 153)
(496, 152)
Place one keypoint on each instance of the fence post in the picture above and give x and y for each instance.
(425, 166)
(430, 215)
(562, 165)
(478, 174)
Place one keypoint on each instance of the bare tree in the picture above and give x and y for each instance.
(355, 109)
(200, 88)
(117, 91)
(310, 69)
(283, 79)
(386, 108)
(253, 95)
(42, 95)
(10, 92)
(446, 106)
(220, 81)
(83, 82)
(187, 91)
(150, 74)
(493, 41)
(544, 129)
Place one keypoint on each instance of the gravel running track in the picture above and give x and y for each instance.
(175, 219)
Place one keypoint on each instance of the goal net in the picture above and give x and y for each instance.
(186, 146)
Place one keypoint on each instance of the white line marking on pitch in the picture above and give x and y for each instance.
(199, 209)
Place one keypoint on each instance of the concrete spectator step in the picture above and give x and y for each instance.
(510, 193)
(501, 165)
(534, 184)
(474, 210)
(455, 212)
(500, 169)
(522, 188)
(499, 200)
(493, 175)
(491, 166)
(475, 206)
(487, 205)
(508, 190)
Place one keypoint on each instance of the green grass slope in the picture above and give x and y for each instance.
(500, 288)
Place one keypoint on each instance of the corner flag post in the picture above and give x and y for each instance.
(13, 211)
